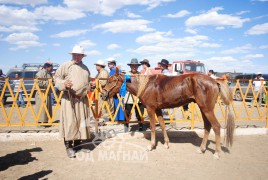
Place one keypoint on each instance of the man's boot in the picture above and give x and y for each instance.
(69, 149)
(77, 145)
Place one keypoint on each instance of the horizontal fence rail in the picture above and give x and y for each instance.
(11, 114)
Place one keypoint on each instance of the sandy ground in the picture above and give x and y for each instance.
(120, 158)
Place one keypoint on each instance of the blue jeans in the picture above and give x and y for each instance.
(53, 97)
(20, 100)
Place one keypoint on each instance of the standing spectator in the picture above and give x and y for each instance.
(102, 73)
(20, 100)
(134, 65)
(2, 82)
(145, 67)
(164, 68)
(43, 84)
(113, 103)
(73, 77)
(258, 88)
(212, 74)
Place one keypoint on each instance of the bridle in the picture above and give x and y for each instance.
(117, 80)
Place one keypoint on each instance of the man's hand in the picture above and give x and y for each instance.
(68, 84)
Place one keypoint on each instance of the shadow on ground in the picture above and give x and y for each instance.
(18, 158)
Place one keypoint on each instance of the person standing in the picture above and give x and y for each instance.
(258, 83)
(20, 100)
(102, 73)
(164, 68)
(73, 78)
(145, 67)
(113, 102)
(212, 74)
(43, 84)
(129, 101)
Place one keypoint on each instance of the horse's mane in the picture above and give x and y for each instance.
(143, 80)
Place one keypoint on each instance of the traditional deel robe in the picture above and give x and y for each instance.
(43, 84)
(74, 114)
(120, 114)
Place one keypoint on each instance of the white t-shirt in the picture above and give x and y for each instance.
(258, 84)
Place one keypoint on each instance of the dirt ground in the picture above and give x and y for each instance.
(120, 158)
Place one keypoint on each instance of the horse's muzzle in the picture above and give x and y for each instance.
(104, 95)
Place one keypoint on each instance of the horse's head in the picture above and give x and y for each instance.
(113, 85)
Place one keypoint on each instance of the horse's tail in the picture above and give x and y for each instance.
(227, 98)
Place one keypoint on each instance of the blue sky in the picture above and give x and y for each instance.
(227, 35)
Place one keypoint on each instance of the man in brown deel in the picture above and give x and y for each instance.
(43, 84)
(73, 79)
(102, 73)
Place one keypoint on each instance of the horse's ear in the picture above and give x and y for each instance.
(117, 71)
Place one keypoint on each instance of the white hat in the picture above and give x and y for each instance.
(111, 60)
(259, 73)
(100, 62)
(78, 50)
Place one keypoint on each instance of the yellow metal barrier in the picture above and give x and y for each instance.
(13, 115)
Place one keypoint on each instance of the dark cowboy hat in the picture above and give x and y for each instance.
(47, 65)
(164, 62)
(134, 61)
(145, 61)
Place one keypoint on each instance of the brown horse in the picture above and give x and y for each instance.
(162, 92)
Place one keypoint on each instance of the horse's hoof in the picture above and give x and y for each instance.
(150, 148)
(166, 146)
(200, 151)
(216, 156)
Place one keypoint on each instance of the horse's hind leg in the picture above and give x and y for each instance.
(162, 124)
(207, 129)
(217, 129)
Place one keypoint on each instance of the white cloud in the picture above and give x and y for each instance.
(93, 53)
(132, 15)
(58, 13)
(86, 44)
(212, 17)
(125, 26)
(11, 16)
(220, 28)
(253, 56)
(191, 31)
(264, 47)
(56, 44)
(113, 46)
(23, 40)
(154, 37)
(242, 12)
(108, 7)
(71, 33)
(179, 14)
(258, 29)
(162, 43)
(24, 2)
(18, 29)
(242, 49)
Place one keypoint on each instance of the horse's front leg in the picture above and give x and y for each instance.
(163, 127)
(151, 114)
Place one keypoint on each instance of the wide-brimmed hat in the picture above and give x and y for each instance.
(145, 61)
(164, 62)
(259, 73)
(134, 61)
(78, 50)
(111, 60)
(100, 63)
